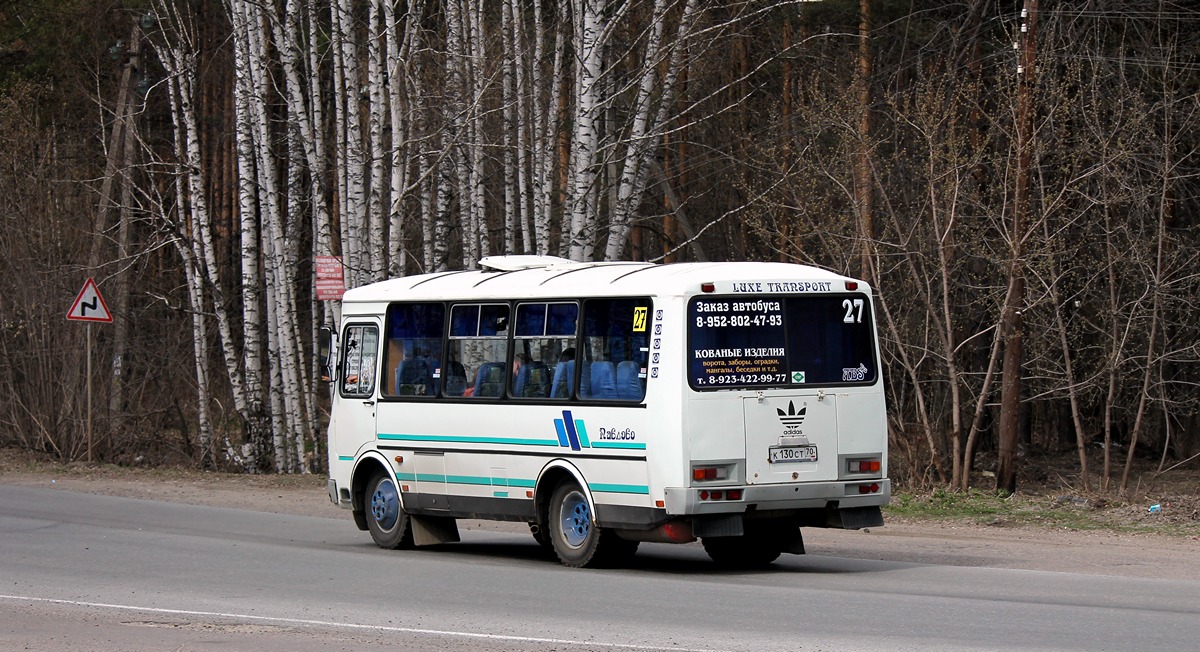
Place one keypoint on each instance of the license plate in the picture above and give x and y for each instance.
(784, 454)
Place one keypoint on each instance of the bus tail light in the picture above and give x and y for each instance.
(708, 287)
(864, 465)
(710, 473)
(720, 494)
(872, 488)
(852, 285)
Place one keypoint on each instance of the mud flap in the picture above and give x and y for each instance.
(855, 518)
(792, 542)
(727, 525)
(428, 530)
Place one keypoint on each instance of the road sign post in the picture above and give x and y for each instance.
(89, 307)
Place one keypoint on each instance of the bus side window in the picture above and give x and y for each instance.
(544, 336)
(414, 343)
(615, 342)
(479, 342)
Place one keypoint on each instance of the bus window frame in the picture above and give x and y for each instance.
(344, 356)
(511, 342)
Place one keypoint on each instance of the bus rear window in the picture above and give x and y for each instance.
(780, 341)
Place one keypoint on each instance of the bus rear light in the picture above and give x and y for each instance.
(863, 465)
(720, 494)
(708, 287)
(709, 473)
(852, 285)
(872, 488)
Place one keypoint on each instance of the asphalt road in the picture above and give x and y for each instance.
(86, 572)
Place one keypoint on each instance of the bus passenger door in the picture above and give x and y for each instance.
(353, 418)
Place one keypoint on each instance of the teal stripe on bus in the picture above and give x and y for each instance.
(515, 482)
(619, 488)
(466, 479)
(628, 445)
(464, 439)
(471, 479)
(345, 458)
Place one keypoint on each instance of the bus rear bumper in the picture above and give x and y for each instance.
(842, 494)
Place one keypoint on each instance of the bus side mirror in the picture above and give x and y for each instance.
(324, 351)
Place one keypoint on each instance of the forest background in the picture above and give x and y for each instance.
(1018, 181)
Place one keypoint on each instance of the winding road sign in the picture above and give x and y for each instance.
(89, 305)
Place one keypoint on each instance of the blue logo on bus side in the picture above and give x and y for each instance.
(571, 432)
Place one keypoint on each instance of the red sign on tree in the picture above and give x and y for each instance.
(331, 283)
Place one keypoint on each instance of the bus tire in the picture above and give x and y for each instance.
(746, 551)
(573, 533)
(387, 521)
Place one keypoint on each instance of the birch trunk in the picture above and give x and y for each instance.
(376, 239)
(183, 123)
(182, 69)
(257, 416)
(479, 130)
(546, 123)
(352, 175)
(585, 138)
(645, 133)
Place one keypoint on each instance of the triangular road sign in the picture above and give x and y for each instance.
(89, 305)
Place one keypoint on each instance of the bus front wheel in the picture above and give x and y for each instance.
(577, 541)
(386, 519)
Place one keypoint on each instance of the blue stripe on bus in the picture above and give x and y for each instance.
(571, 432)
(619, 488)
(562, 432)
(345, 458)
(465, 439)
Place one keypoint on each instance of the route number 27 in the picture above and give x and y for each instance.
(854, 310)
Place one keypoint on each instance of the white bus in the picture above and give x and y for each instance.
(610, 403)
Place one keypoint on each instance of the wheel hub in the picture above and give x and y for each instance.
(385, 505)
(576, 519)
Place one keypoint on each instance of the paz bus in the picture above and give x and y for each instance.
(610, 403)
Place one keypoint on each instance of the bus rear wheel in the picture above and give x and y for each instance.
(576, 539)
(387, 521)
